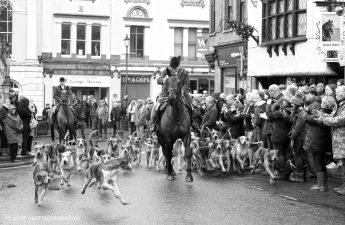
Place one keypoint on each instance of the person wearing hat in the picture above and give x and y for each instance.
(14, 127)
(297, 135)
(57, 95)
(102, 114)
(173, 69)
(117, 112)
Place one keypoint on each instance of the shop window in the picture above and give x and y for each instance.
(137, 41)
(205, 31)
(230, 10)
(6, 23)
(178, 42)
(203, 86)
(80, 39)
(96, 40)
(284, 19)
(65, 39)
(192, 43)
(193, 86)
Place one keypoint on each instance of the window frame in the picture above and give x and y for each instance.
(191, 43)
(178, 43)
(66, 40)
(136, 34)
(243, 4)
(212, 16)
(267, 16)
(93, 41)
(8, 34)
(78, 40)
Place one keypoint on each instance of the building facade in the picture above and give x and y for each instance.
(18, 28)
(84, 42)
(228, 51)
(292, 42)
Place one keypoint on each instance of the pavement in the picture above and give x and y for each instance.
(211, 199)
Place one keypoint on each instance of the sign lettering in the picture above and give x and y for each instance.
(136, 79)
(195, 3)
(138, 1)
(83, 1)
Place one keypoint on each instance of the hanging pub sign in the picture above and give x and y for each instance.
(136, 79)
(330, 39)
(196, 3)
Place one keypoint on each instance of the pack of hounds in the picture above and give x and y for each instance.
(210, 152)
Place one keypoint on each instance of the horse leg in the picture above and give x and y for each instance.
(188, 155)
(171, 173)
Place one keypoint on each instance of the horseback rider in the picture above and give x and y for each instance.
(173, 69)
(57, 95)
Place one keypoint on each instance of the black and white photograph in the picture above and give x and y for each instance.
(174, 112)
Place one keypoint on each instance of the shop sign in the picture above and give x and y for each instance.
(82, 1)
(225, 56)
(330, 39)
(136, 79)
(202, 45)
(138, 1)
(84, 81)
(196, 3)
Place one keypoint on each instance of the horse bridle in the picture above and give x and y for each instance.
(176, 92)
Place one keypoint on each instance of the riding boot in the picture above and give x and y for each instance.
(154, 120)
(56, 110)
(195, 126)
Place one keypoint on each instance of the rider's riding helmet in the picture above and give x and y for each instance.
(62, 79)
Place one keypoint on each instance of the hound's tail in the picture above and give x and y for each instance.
(90, 136)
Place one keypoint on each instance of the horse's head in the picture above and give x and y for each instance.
(64, 96)
(174, 89)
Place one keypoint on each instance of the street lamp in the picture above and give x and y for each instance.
(126, 40)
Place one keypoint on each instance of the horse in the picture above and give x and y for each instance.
(175, 124)
(327, 30)
(65, 118)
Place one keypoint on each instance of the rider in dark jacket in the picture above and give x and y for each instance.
(57, 95)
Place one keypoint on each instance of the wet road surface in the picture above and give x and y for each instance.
(223, 199)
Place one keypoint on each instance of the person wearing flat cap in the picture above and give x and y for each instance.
(57, 95)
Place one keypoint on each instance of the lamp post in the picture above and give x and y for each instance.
(126, 40)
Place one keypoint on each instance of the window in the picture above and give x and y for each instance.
(178, 42)
(96, 40)
(80, 39)
(137, 41)
(213, 16)
(205, 31)
(6, 23)
(192, 43)
(65, 39)
(284, 19)
(243, 11)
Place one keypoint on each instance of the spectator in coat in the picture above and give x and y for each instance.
(116, 114)
(258, 122)
(139, 123)
(50, 123)
(297, 135)
(102, 114)
(131, 115)
(147, 115)
(93, 112)
(234, 122)
(13, 97)
(45, 111)
(14, 127)
(87, 111)
(24, 113)
(276, 112)
(248, 111)
(317, 141)
(330, 90)
(3, 114)
(320, 88)
(337, 123)
(210, 118)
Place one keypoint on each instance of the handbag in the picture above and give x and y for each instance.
(33, 123)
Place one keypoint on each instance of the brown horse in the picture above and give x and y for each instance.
(174, 124)
(65, 118)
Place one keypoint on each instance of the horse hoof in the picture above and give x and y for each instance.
(171, 178)
(189, 179)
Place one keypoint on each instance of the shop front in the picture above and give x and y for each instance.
(100, 87)
(138, 86)
(201, 83)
